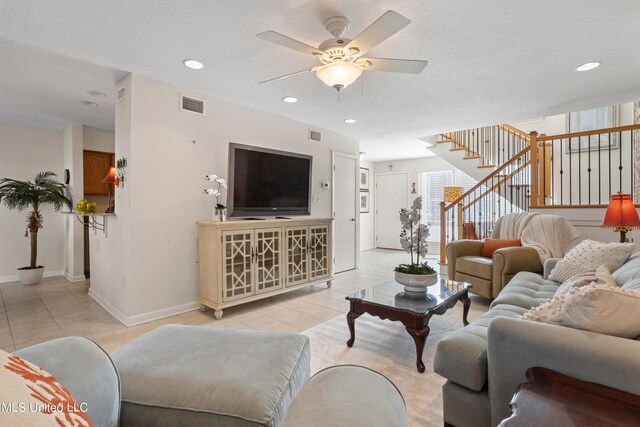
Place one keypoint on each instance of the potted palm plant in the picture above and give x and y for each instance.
(415, 276)
(20, 195)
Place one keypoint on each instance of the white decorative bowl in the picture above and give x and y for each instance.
(416, 283)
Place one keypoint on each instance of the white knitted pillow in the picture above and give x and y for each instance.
(588, 255)
(598, 308)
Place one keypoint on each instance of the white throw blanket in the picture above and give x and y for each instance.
(550, 235)
(512, 225)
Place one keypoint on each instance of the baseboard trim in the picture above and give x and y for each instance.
(139, 319)
(74, 279)
(8, 279)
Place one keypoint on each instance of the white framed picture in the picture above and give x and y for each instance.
(364, 179)
(587, 120)
(364, 201)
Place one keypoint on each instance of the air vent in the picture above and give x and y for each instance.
(314, 135)
(192, 104)
(122, 94)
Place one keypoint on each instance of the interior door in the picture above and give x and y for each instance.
(344, 211)
(391, 196)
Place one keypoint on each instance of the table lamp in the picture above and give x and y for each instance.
(621, 215)
(451, 194)
(110, 179)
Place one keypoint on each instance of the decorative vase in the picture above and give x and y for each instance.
(219, 214)
(416, 283)
(30, 276)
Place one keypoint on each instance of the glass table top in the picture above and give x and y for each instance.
(392, 294)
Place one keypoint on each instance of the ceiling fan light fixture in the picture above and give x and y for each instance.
(339, 75)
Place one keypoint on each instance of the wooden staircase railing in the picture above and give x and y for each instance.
(491, 145)
(503, 191)
(570, 170)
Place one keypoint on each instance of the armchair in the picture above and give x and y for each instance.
(542, 236)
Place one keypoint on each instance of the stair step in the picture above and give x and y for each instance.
(471, 157)
(458, 149)
(444, 142)
(486, 166)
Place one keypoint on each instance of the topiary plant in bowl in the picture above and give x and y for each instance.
(20, 195)
(415, 276)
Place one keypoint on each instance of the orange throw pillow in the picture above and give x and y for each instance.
(492, 245)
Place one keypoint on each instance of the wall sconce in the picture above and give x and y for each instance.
(121, 170)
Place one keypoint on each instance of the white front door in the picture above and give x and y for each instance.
(344, 211)
(391, 196)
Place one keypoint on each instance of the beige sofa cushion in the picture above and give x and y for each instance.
(477, 266)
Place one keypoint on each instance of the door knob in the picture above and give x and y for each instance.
(353, 219)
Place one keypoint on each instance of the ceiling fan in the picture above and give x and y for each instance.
(342, 58)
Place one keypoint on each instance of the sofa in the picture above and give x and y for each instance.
(180, 375)
(484, 362)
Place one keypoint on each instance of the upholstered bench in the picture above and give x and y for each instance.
(195, 376)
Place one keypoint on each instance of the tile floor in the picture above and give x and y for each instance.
(56, 308)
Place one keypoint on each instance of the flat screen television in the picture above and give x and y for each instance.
(266, 182)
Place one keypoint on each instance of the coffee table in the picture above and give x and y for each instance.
(389, 301)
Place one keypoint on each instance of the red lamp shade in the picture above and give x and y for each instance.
(111, 176)
(621, 212)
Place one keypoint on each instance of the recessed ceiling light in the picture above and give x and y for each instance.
(96, 93)
(589, 66)
(89, 103)
(290, 99)
(193, 64)
(349, 121)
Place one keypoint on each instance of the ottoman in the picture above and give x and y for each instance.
(181, 375)
(348, 395)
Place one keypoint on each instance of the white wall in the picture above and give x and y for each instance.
(588, 221)
(25, 151)
(98, 140)
(413, 167)
(169, 152)
(367, 219)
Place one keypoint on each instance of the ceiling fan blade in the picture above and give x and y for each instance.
(412, 66)
(383, 28)
(288, 75)
(285, 41)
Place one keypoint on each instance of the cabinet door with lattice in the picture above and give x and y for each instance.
(268, 259)
(318, 251)
(297, 261)
(237, 263)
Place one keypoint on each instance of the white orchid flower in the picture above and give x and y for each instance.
(221, 181)
(211, 177)
(212, 192)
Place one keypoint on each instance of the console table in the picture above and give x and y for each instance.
(246, 260)
(553, 399)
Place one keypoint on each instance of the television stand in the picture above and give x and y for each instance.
(244, 261)
(253, 219)
(282, 217)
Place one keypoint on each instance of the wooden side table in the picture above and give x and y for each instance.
(551, 399)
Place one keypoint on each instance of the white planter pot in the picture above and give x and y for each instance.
(416, 283)
(30, 276)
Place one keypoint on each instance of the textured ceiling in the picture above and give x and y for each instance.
(489, 61)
